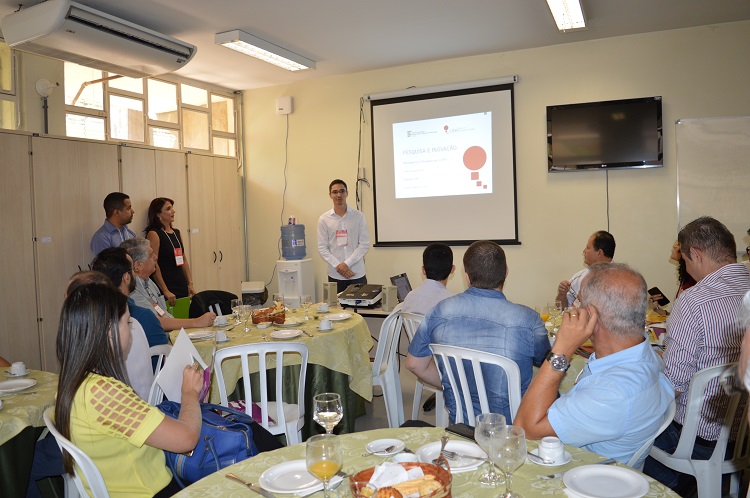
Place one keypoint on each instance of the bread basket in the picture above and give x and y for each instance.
(442, 475)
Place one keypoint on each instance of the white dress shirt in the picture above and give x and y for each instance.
(343, 239)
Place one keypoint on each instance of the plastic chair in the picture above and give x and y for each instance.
(203, 301)
(646, 447)
(456, 368)
(411, 324)
(155, 394)
(287, 418)
(181, 308)
(708, 473)
(385, 372)
(85, 464)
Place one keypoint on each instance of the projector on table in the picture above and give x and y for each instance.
(361, 295)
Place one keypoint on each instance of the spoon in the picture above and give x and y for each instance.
(387, 450)
(443, 442)
(545, 461)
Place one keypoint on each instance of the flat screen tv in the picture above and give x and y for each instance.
(615, 134)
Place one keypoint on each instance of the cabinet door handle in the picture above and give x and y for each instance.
(221, 256)
(214, 256)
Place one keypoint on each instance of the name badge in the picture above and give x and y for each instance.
(342, 238)
(159, 310)
(179, 259)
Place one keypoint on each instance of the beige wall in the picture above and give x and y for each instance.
(33, 68)
(700, 72)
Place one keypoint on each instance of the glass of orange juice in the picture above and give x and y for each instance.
(324, 458)
(543, 312)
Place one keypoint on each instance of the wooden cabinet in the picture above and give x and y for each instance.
(216, 232)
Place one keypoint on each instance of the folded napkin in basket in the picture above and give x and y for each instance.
(390, 473)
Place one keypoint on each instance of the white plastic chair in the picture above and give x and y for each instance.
(287, 418)
(708, 473)
(385, 371)
(452, 357)
(411, 324)
(646, 447)
(88, 467)
(155, 394)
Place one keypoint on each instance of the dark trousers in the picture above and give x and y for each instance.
(341, 285)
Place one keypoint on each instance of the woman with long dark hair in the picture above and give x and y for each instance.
(172, 273)
(101, 414)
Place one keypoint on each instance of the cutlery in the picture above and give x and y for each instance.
(560, 474)
(308, 335)
(3, 396)
(452, 455)
(387, 450)
(539, 458)
(443, 442)
(333, 485)
(250, 485)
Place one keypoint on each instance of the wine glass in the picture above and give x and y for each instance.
(555, 311)
(509, 449)
(236, 311)
(306, 301)
(246, 312)
(327, 410)
(324, 458)
(487, 425)
(278, 300)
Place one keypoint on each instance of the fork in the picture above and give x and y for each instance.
(560, 474)
(452, 455)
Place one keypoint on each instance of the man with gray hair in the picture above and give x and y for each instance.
(621, 395)
(702, 331)
(147, 294)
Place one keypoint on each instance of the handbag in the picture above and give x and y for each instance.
(224, 440)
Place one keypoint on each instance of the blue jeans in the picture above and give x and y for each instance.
(667, 441)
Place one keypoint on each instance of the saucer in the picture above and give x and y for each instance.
(567, 457)
(15, 376)
(324, 330)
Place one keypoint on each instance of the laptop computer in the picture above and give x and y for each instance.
(403, 287)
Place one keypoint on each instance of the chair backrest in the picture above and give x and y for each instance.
(88, 467)
(643, 450)
(411, 321)
(155, 394)
(181, 308)
(453, 357)
(270, 355)
(209, 298)
(385, 353)
(726, 376)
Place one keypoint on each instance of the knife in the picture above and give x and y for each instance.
(560, 474)
(250, 485)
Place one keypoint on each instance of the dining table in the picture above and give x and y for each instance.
(526, 479)
(21, 423)
(338, 359)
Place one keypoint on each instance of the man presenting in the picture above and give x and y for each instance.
(702, 331)
(600, 248)
(114, 231)
(437, 266)
(147, 294)
(343, 240)
(621, 395)
(481, 318)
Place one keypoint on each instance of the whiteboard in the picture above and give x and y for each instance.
(713, 173)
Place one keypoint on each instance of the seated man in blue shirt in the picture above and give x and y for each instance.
(622, 394)
(481, 318)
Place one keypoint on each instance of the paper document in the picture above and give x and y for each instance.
(170, 377)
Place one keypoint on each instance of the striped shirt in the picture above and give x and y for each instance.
(702, 332)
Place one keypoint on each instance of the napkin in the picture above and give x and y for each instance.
(183, 354)
(391, 473)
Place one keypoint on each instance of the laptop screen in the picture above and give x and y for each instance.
(403, 287)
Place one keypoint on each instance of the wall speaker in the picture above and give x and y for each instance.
(390, 297)
(330, 294)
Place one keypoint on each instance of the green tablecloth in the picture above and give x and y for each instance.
(525, 480)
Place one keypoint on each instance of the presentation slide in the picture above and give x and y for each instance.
(444, 167)
(443, 156)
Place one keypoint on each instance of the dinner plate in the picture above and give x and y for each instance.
(15, 376)
(289, 477)
(11, 386)
(201, 334)
(605, 481)
(290, 323)
(286, 334)
(430, 451)
(567, 457)
(379, 446)
(337, 317)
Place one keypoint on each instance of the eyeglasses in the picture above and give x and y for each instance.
(336, 192)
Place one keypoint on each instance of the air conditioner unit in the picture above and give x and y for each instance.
(73, 32)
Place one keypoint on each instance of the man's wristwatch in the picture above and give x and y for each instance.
(558, 362)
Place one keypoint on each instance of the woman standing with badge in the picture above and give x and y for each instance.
(172, 273)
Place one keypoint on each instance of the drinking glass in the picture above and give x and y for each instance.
(544, 313)
(327, 410)
(555, 311)
(509, 449)
(278, 300)
(306, 301)
(246, 311)
(236, 311)
(324, 458)
(487, 425)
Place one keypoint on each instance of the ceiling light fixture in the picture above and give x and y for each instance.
(261, 49)
(568, 14)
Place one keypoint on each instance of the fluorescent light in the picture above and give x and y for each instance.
(261, 49)
(568, 14)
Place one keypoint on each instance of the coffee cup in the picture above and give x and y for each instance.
(220, 321)
(221, 336)
(326, 325)
(323, 308)
(18, 368)
(551, 448)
